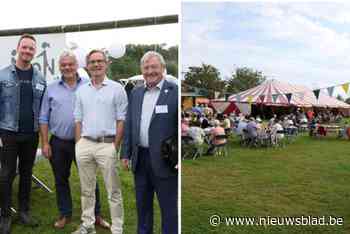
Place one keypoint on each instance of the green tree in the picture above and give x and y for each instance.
(244, 78)
(205, 77)
(129, 64)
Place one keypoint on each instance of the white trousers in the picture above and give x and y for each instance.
(90, 156)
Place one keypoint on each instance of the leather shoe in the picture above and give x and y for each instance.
(62, 221)
(99, 221)
(26, 219)
(5, 225)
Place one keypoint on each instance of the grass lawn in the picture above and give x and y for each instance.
(309, 177)
(45, 210)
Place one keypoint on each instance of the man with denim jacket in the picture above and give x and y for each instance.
(21, 89)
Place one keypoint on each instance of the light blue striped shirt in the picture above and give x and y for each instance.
(57, 108)
(98, 109)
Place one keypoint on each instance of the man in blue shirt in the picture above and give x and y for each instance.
(21, 89)
(57, 117)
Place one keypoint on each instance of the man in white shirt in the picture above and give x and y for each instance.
(99, 113)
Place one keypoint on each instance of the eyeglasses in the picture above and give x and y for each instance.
(97, 61)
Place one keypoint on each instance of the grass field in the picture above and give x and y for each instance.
(309, 177)
(45, 210)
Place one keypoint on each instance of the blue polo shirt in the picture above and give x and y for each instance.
(58, 106)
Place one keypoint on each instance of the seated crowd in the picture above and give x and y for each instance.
(201, 125)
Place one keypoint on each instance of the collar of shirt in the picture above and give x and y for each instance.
(158, 86)
(62, 82)
(104, 82)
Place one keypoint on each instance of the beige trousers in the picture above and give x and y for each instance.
(90, 156)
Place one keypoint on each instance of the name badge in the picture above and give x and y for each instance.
(40, 87)
(161, 109)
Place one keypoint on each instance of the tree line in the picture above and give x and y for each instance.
(129, 64)
(207, 77)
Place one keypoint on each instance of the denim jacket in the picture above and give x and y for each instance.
(10, 97)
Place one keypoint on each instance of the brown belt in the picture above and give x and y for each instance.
(104, 139)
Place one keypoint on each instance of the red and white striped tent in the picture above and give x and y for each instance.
(273, 93)
(224, 107)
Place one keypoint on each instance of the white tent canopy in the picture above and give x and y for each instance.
(273, 92)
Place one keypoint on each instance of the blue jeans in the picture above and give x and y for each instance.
(63, 154)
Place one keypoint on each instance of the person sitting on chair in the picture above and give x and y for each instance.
(216, 131)
(197, 133)
(184, 127)
(277, 132)
(226, 124)
(272, 121)
(252, 129)
(205, 122)
(347, 131)
(312, 127)
(242, 124)
(321, 131)
(259, 125)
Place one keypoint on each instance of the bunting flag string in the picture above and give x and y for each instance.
(301, 95)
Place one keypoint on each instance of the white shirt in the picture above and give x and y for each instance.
(241, 125)
(99, 108)
(149, 102)
(197, 134)
(277, 127)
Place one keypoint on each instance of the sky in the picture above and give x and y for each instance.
(39, 13)
(301, 43)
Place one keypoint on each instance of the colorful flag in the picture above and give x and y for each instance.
(274, 97)
(345, 87)
(330, 91)
(262, 97)
(250, 99)
(317, 93)
(289, 97)
(238, 98)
